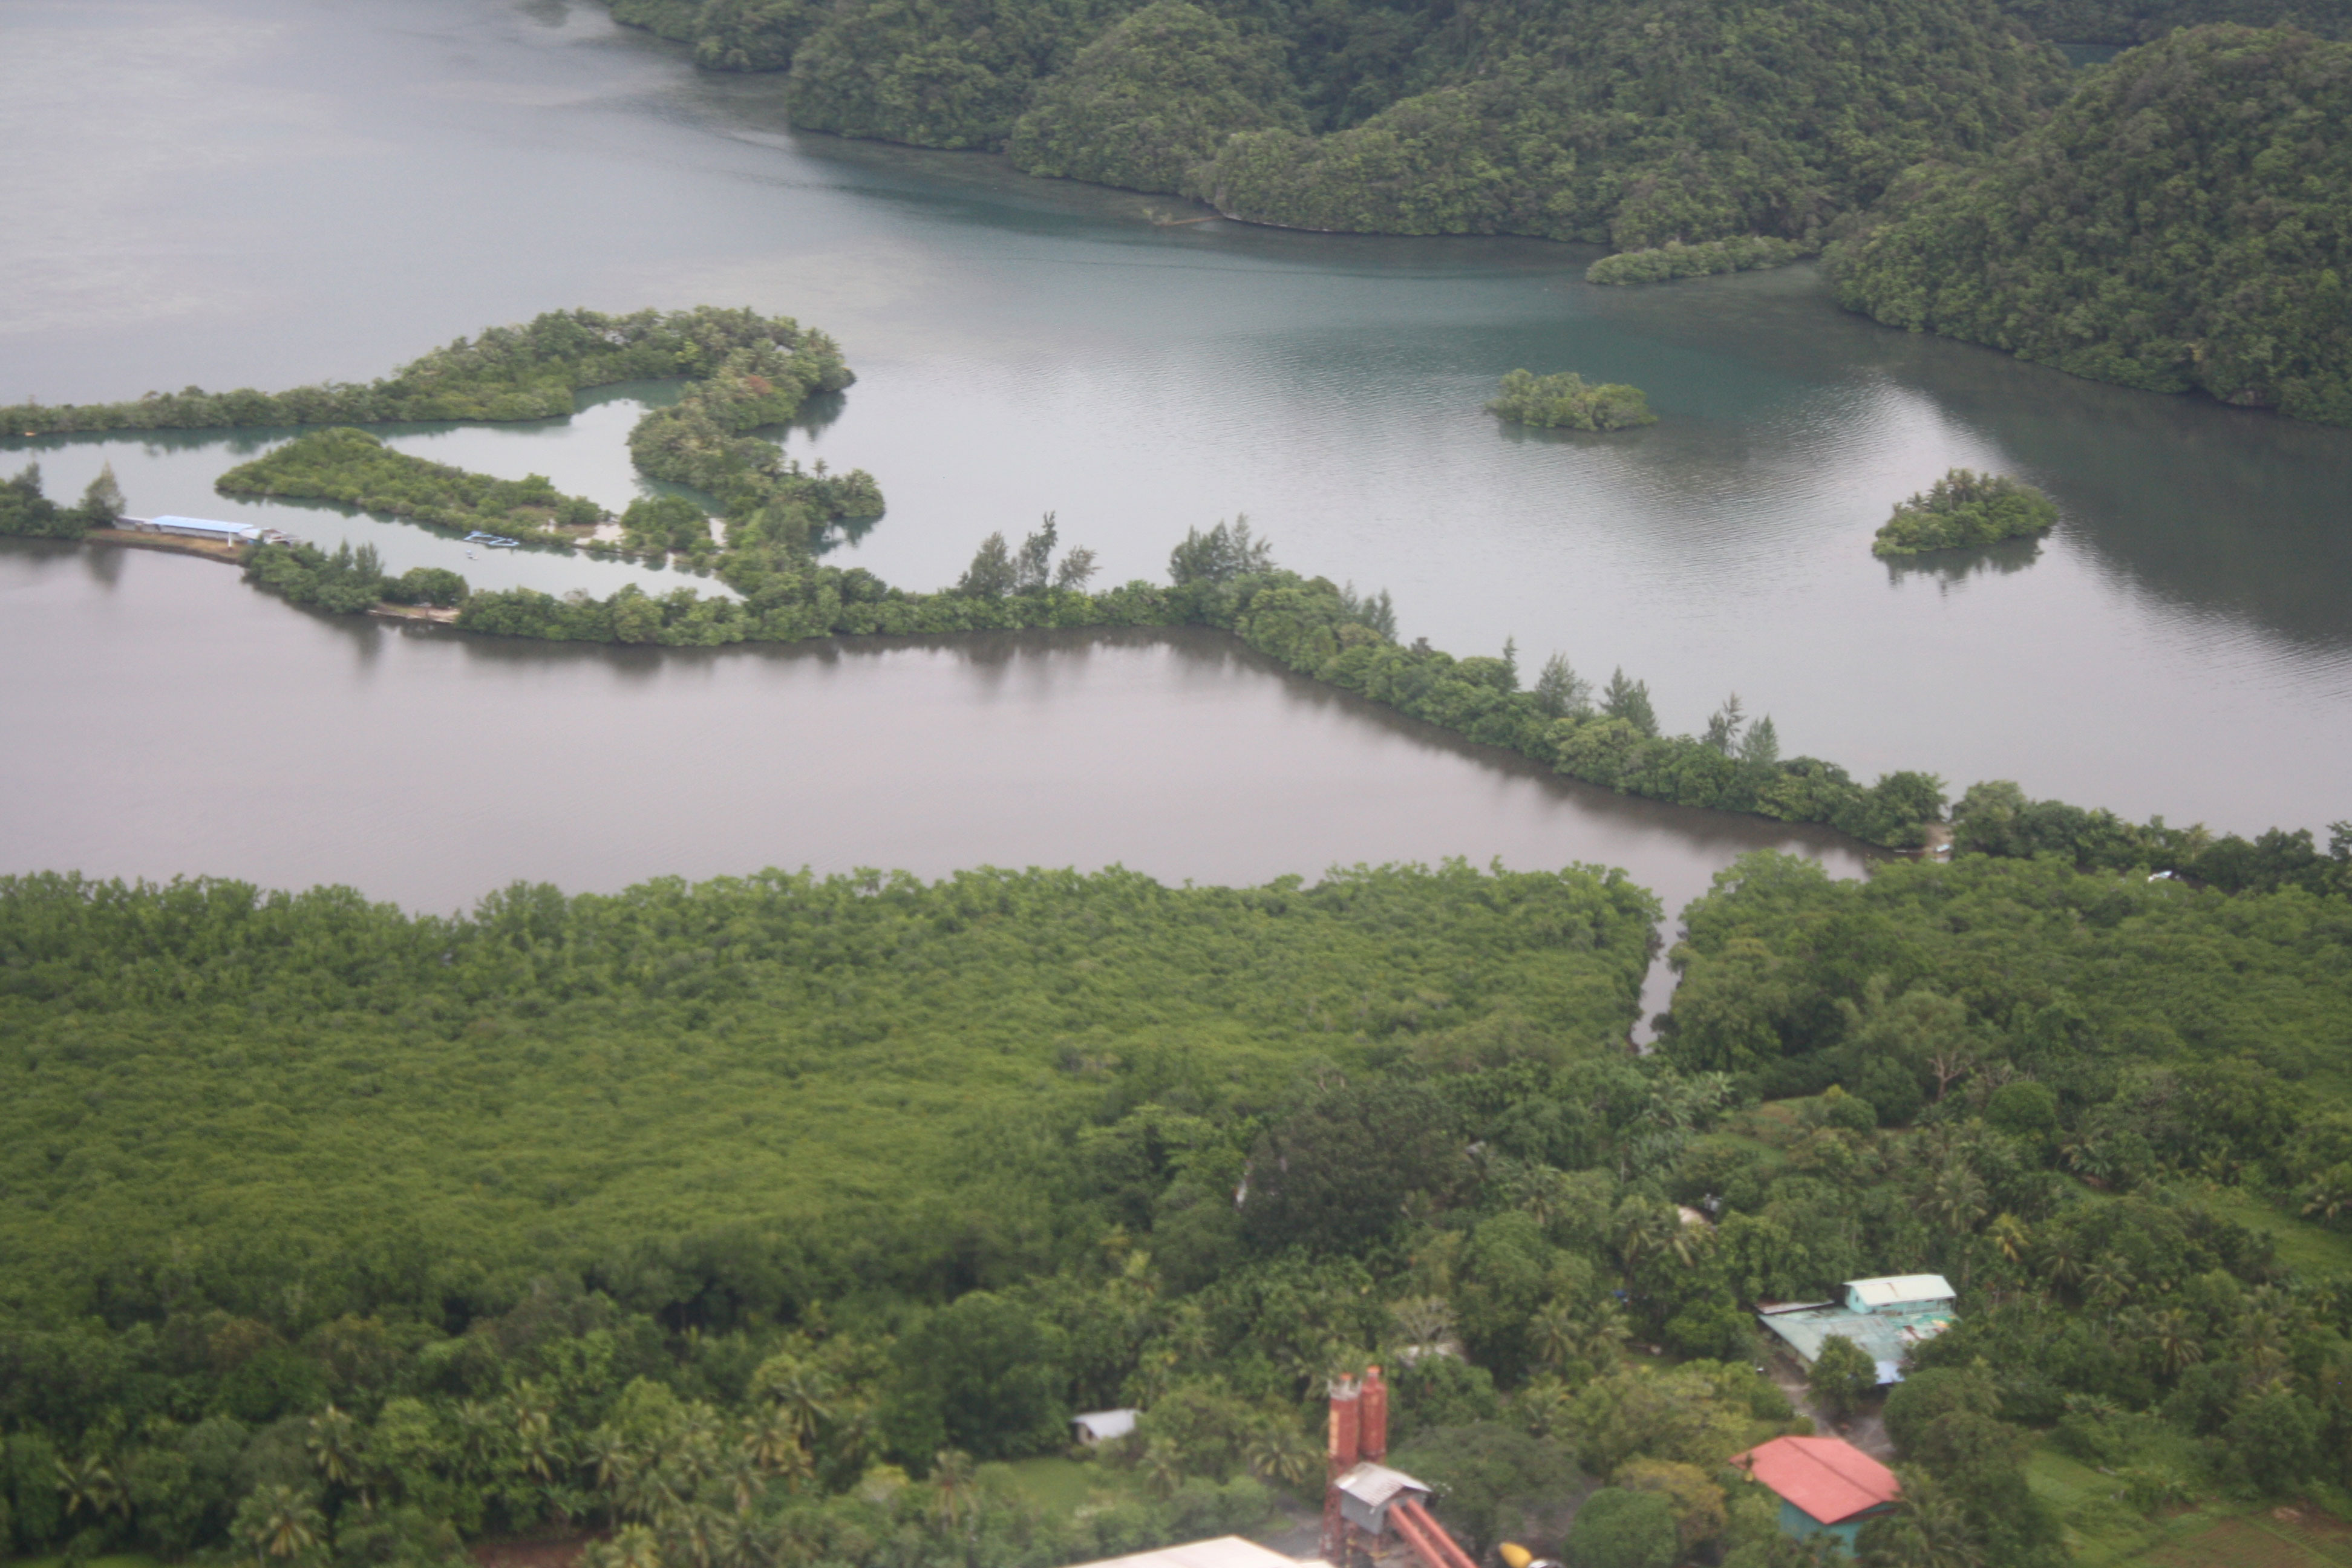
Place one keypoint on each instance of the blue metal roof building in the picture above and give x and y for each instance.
(199, 528)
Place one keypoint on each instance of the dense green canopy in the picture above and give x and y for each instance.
(2185, 221)
(1148, 104)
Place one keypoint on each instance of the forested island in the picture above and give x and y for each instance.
(1564, 402)
(355, 468)
(1965, 508)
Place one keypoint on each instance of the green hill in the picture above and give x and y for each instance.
(1631, 122)
(2183, 222)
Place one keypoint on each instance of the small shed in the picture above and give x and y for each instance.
(1367, 1491)
(1826, 1486)
(1900, 1293)
(1102, 1425)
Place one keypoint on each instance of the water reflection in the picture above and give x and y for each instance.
(430, 767)
(1949, 568)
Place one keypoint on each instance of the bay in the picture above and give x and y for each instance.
(263, 192)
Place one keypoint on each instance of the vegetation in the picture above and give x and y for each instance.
(1148, 103)
(531, 371)
(348, 582)
(27, 511)
(1675, 259)
(1565, 402)
(757, 1218)
(1964, 509)
(2181, 223)
(2139, 21)
(2053, 1062)
(1628, 121)
(355, 468)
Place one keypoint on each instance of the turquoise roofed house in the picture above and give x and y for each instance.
(1885, 1317)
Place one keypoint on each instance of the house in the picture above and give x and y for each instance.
(1102, 1425)
(1826, 1486)
(1886, 1316)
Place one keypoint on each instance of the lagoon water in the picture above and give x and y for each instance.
(265, 192)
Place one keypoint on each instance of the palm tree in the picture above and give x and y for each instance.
(1931, 1530)
(1554, 1334)
(1163, 1468)
(91, 1486)
(634, 1546)
(2010, 1237)
(772, 1443)
(952, 1472)
(1606, 1332)
(2108, 1282)
(334, 1443)
(2062, 1260)
(2330, 1194)
(1282, 1454)
(537, 1447)
(280, 1522)
(2176, 1341)
(805, 1394)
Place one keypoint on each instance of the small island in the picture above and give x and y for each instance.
(1565, 402)
(1964, 509)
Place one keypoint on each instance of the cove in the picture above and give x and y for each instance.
(200, 727)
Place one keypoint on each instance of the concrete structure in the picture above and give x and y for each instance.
(1885, 1317)
(1825, 1486)
(1102, 1425)
(1226, 1551)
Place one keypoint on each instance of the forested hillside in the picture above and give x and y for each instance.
(1628, 121)
(2184, 222)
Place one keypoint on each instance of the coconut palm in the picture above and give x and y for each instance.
(91, 1487)
(771, 1442)
(2175, 1341)
(1282, 1454)
(803, 1394)
(334, 1442)
(280, 1522)
(1163, 1468)
(1931, 1530)
(952, 1473)
(1554, 1332)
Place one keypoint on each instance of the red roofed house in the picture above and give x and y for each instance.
(1826, 1486)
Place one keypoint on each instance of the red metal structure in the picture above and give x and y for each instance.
(1363, 1498)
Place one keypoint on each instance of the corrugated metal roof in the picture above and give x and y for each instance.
(1374, 1484)
(1829, 1480)
(1102, 1426)
(1893, 1288)
(207, 525)
(1225, 1552)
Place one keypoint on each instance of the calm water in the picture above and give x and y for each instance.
(429, 767)
(270, 190)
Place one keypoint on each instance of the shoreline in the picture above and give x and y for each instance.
(171, 544)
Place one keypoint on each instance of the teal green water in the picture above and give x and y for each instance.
(235, 191)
